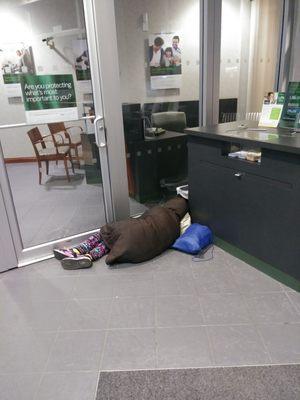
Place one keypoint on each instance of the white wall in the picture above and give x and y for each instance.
(249, 44)
(165, 16)
(180, 16)
(231, 36)
(295, 59)
(265, 36)
(30, 24)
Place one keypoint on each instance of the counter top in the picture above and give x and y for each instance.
(237, 132)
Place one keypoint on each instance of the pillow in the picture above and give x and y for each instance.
(194, 239)
(140, 239)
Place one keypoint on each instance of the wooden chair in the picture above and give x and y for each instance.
(59, 127)
(50, 153)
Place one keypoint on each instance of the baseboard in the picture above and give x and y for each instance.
(21, 160)
(15, 160)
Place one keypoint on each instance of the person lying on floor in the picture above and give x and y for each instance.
(82, 255)
(132, 240)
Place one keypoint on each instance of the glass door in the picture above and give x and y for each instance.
(54, 172)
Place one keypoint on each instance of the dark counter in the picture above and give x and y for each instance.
(254, 206)
(269, 138)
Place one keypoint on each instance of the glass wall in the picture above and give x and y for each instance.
(44, 43)
(250, 40)
(158, 46)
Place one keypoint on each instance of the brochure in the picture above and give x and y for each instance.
(272, 109)
(290, 117)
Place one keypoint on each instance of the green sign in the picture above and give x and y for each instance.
(42, 92)
(280, 98)
(159, 71)
(83, 74)
(275, 113)
(11, 78)
(290, 117)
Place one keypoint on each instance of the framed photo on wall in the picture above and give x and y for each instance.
(164, 60)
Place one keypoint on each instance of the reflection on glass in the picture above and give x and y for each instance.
(158, 45)
(53, 163)
(249, 43)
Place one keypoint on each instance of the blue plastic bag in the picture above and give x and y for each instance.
(194, 239)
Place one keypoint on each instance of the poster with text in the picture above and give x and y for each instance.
(49, 98)
(16, 60)
(164, 60)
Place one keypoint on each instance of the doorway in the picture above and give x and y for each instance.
(55, 170)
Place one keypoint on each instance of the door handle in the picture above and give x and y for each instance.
(100, 142)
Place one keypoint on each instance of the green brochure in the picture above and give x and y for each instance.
(290, 117)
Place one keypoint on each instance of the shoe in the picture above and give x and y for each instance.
(76, 262)
(60, 254)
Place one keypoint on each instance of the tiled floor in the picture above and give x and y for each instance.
(55, 201)
(59, 328)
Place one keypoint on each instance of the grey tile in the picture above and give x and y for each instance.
(237, 345)
(173, 261)
(214, 279)
(129, 349)
(68, 386)
(251, 280)
(24, 350)
(76, 351)
(19, 273)
(31, 313)
(92, 218)
(94, 287)
(271, 308)
(147, 267)
(132, 312)
(178, 311)
(51, 268)
(52, 228)
(282, 341)
(134, 285)
(57, 196)
(83, 314)
(216, 258)
(51, 288)
(182, 347)
(295, 288)
(19, 386)
(225, 308)
(168, 283)
(223, 257)
(231, 383)
(295, 299)
(99, 268)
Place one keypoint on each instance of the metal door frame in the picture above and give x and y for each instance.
(209, 66)
(108, 132)
(8, 258)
